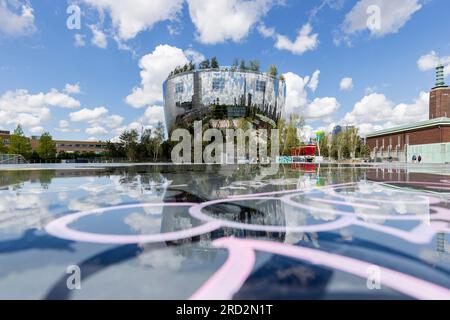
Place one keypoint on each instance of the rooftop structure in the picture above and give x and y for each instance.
(224, 93)
(430, 138)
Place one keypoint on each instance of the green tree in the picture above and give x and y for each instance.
(205, 64)
(365, 151)
(3, 147)
(47, 147)
(235, 65)
(19, 143)
(243, 65)
(115, 150)
(353, 140)
(255, 65)
(214, 63)
(273, 71)
(129, 140)
(151, 143)
(291, 139)
(324, 146)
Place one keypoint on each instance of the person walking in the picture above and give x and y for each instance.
(419, 158)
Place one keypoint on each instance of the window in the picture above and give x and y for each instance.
(179, 88)
(260, 86)
(218, 84)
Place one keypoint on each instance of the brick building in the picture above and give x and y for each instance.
(62, 145)
(430, 139)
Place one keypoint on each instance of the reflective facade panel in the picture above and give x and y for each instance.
(194, 92)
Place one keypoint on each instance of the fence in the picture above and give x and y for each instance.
(12, 159)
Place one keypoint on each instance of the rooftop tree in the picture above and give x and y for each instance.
(273, 71)
(255, 65)
(214, 63)
(205, 64)
(243, 65)
(235, 64)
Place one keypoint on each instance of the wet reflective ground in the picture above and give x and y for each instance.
(233, 232)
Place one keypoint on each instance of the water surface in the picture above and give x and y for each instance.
(166, 232)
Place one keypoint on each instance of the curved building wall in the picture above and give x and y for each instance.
(196, 91)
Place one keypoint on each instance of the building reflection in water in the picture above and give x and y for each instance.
(21, 190)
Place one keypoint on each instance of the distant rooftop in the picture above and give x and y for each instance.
(225, 69)
(411, 127)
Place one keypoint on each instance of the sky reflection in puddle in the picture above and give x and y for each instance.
(225, 232)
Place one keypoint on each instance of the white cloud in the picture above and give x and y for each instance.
(194, 56)
(134, 16)
(155, 66)
(306, 133)
(37, 130)
(148, 120)
(377, 111)
(393, 16)
(87, 115)
(366, 128)
(63, 123)
(72, 88)
(296, 95)
(431, 60)
(346, 84)
(305, 41)
(266, 32)
(16, 18)
(98, 37)
(64, 127)
(79, 40)
(113, 121)
(314, 82)
(100, 131)
(97, 118)
(321, 107)
(222, 20)
(58, 99)
(31, 110)
(153, 115)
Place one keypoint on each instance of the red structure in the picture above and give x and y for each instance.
(306, 151)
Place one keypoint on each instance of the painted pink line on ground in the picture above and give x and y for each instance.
(221, 286)
(403, 283)
(59, 227)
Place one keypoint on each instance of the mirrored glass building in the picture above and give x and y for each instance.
(192, 95)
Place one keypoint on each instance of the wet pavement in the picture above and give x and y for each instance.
(225, 232)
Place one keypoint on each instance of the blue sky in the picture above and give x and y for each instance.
(94, 82)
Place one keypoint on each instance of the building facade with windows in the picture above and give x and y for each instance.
(192, 95)
(62, 145)
(430, 139)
